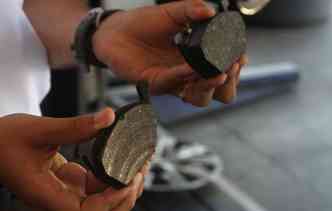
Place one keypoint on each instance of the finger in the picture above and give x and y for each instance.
(74, 176)
(238, 76)
(193, 77)
(232, 73)
(137, 183)
(168, 19)
(164, 80)
(146, 169)
(244, 60)
(46, 191)
(232, 91)
(141, 190)
(182, 13)
(58, 131)
(197, 97)
(107, 200)
(93, 185)
(130, 201)
(200, 92)
(206, 85)
(114, 198)
(140, 187)
(127, 204)
(227, 92)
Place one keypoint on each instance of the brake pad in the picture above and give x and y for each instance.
(211, 47)
(120, 151)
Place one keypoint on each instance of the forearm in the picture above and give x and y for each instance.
(55, 22)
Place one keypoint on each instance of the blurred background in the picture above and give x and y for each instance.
(269, 150)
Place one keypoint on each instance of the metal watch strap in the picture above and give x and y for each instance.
(82, 46)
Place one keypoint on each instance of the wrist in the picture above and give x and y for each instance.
(84, 44)
(99, 48)
(104, 35)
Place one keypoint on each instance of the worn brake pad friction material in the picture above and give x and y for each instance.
(224, 40)
(213, 46)
(121, 150)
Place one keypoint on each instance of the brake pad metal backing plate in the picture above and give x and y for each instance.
(224, 40)
(131, 143)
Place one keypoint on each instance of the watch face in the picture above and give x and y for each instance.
(251, 7)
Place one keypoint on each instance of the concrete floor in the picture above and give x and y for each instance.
(279, 149)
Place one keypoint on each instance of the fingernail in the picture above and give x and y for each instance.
(244, 60)
(212, 8)
(110, 192)
(103, 119)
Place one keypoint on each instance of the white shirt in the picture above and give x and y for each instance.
(24, 70)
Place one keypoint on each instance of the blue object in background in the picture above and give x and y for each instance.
(255, 82)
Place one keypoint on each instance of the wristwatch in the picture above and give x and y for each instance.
(82, 47)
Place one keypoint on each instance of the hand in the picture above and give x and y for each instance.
(138, 45)
(31, 167)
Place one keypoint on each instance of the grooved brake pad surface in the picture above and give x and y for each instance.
(120, 151)
(224, 40)
(211, 47)
(131, 144)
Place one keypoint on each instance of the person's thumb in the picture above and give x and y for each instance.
(77, 129)
(182, 13)
(60, 131)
